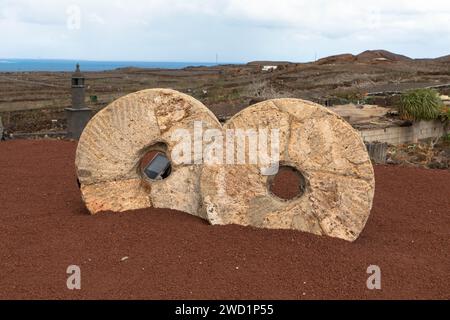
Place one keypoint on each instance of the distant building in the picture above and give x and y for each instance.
(269, 68)
(79, 114)
(445, 99)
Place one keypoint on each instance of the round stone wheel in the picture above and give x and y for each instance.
(116, 140)
(321, 146)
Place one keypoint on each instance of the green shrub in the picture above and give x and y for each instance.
(420, 104)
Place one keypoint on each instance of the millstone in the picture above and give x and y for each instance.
(325, 149)
(115, 141)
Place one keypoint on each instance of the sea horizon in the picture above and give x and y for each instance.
(67, 65)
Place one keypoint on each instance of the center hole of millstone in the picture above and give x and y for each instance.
(155, 164)
(287, 184)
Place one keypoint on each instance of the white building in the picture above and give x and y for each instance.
(269, 68)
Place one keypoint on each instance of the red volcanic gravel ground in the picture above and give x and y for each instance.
(44, 228)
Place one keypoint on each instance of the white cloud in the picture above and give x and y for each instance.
(238, 30)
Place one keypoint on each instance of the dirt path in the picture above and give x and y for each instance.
(44, 228)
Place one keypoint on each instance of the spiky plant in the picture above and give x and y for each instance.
(420, 104)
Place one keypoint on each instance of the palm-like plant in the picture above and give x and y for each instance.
(420, 104)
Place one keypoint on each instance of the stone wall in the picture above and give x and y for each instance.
(377, 151)
(400, 135)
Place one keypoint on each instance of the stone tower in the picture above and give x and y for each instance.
(79, 114)
(78, 93)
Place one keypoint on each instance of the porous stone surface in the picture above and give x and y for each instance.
(323, 147)
(117, 138)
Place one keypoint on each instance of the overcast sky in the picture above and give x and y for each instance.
(236, 30)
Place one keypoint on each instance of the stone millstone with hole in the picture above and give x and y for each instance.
(113, 144)
(324, 148)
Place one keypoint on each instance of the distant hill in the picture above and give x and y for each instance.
(443, 59)
(369, 56)
(340, 58)
(268, 63)
(380, 55)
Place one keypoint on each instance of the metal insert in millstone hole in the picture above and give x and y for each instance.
(159, 168)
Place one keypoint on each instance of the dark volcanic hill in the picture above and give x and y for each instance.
(380, 55)
(369, 56)
(340, 58)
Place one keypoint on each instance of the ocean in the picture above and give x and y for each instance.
(28, 65)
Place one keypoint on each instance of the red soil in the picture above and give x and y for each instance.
(44, 228)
